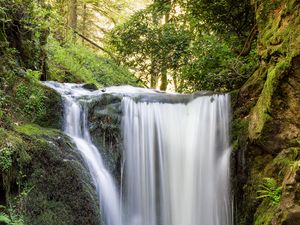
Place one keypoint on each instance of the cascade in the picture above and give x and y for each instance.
(75, 125)
(177, 162)
(176, 156)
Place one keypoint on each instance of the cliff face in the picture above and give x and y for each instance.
(267, 122)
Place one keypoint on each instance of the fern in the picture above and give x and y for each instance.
(4, 219)
(269, 189)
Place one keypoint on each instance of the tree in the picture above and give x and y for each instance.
(199, 44)
(73, 14)
(152, 43)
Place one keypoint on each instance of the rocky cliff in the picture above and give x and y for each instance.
(266, 126)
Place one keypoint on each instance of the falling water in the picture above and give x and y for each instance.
(75, 125)
(176, 156)
(177, 162)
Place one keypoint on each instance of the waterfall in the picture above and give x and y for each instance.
(75, 125)
(176, 156)
(177, 162)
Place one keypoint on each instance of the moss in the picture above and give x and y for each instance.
(239, 130)
(261, 112)
(62, 189)
(45, 163)
(257, 78)
(280, 33)
(273, 120)
(36, 130)
(53, 109)
(55, 213)
(265, 213)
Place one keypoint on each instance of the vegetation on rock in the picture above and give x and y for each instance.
(269, 103)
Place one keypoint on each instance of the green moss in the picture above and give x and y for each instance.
(51, 212)
(260, 113)
(239, 130)
(257, 78)
(12, 148)
(265, 213)
(36, 130)
(62, 192)
(53, 117)
(280, 33)
(46, 179)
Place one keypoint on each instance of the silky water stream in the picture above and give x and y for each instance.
(176, 156)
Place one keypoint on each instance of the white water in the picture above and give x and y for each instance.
(177, 162)
(176, 158)
(75, 125)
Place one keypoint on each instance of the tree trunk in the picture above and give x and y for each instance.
(43, 54)
(73, 14)
(164, 80)
(164, 71)
(84, 19)
(153, 75)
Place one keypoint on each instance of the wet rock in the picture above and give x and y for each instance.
(105, 115)
(90, 87)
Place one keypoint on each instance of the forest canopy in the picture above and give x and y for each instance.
(189, 45)
(182, 45)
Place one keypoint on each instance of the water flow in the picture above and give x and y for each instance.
(176, 157)
(177, 162)
(75, 125)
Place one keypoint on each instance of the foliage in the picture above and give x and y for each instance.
(270, 190)
(286, 162)
(4, 219)
(93, 18)
(181, 42)
(75, 63)
(150, 49)
(31, 99)
(11, 219)
(22, 25)
(230, 19)
(6, 157)
(4, 119)
(213, 66)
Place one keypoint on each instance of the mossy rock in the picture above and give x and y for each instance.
(53, 186)
(62, 182)
(105, 128)
(54, 110)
